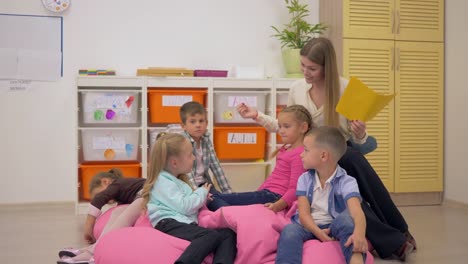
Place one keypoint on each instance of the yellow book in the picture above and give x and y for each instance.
(165, 72)
(359, 102)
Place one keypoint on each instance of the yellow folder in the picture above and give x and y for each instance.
(359, 102)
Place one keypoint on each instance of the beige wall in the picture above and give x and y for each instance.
(456, 96)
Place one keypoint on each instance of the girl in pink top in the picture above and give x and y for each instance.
(279, 189)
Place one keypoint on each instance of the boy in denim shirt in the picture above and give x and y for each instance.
(329, 203)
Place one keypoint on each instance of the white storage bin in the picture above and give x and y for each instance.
(225, 103)
(282, 98)
(110, 144)
(99, 107)
(171, 128)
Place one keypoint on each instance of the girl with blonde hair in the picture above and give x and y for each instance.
(173, 205)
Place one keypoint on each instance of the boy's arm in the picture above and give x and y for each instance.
(215, 167)
(358, 238)
(308, 222)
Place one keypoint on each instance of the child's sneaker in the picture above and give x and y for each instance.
(69, 252)
(403, 252)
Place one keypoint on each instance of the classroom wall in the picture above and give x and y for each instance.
(38, 136)
(456, 95)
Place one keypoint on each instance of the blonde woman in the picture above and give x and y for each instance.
(319, 92)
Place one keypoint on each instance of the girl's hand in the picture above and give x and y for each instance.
(89, 236)
(277, 206)
(272, 207)
(246, 112)
(358, 128)
(207, 186)
(210, 197)
(324, 235)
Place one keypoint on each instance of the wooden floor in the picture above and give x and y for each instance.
(34, 233)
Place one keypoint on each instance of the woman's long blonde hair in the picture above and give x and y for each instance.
(301, 114)
(321, 52)
(168, 145)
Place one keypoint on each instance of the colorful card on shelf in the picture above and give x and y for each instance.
(359, 102)
(94, 72)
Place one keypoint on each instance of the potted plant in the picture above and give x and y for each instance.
(295, 35)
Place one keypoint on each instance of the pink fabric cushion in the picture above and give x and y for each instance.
(139, 245)
(257, 227)
(258, 230)
(102, 220)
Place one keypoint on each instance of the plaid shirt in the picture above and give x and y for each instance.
(210, 161)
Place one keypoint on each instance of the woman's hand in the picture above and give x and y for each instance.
(246, 112)
(358, 129)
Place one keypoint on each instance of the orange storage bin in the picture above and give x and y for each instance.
(87, 171)
(239, 143)
(164, 104)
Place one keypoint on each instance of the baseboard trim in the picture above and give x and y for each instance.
(453, 203)
(37, 204)
(410, 199)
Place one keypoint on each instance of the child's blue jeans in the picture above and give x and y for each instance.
(242, 198)
(293, 236)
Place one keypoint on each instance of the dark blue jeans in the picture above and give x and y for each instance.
(293, 236)
(244, 198)
(222, 242)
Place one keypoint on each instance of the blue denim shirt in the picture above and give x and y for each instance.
(343, 187)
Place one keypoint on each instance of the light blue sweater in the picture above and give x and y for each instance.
(173, 198)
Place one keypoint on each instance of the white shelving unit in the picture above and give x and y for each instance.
(244, 176)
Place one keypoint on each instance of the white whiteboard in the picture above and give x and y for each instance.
(31, 47)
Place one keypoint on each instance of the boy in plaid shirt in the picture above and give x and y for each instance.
(194, 122)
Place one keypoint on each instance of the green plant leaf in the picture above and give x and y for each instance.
(298, 31)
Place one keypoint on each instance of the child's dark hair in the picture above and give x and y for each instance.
(190, 109)
(330, 138)
(112, 174)
(301, 114)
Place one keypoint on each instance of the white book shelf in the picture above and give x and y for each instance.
(243, 175)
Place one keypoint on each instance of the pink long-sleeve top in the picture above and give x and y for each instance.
(283, 179)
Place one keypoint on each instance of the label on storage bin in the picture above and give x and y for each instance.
(110, 101)
(234, 101)
(242, 138)
(108, 142)
(176, 100)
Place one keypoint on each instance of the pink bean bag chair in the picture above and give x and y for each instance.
(257, 228)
